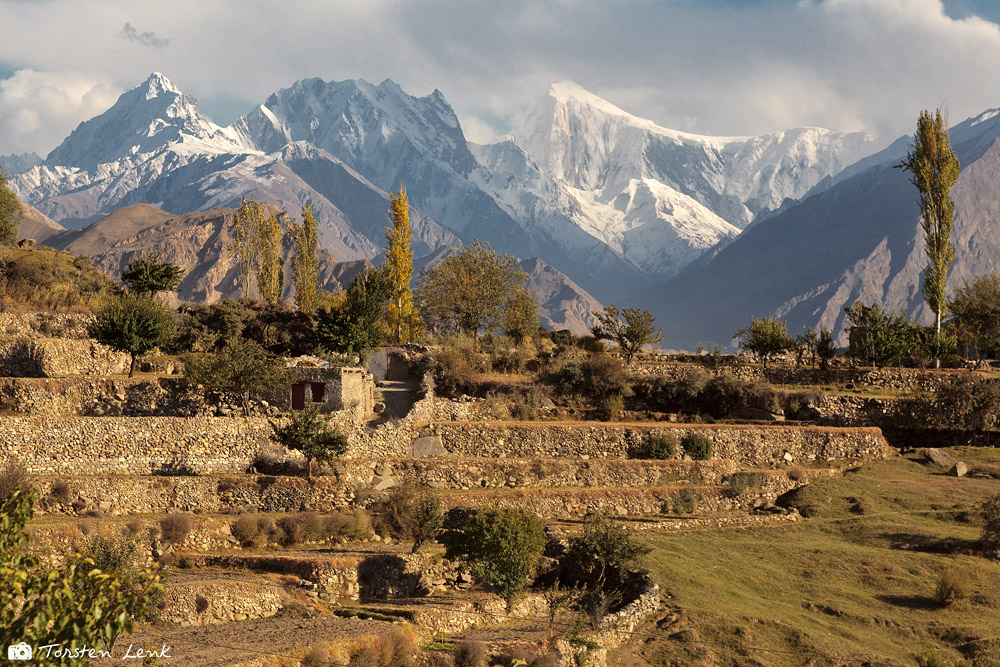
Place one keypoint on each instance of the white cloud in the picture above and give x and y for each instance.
(704, 67)
(38, 109)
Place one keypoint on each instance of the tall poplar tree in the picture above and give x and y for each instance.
(305, 266)
(269, 273)
(934, 169)
(10, 212)
(243, 244)
(403, 321)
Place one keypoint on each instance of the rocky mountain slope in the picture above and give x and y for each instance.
(856, 239)
(197, 242)
(611, 200)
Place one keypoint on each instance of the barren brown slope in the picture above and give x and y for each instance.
(36, 225)
(197, 242)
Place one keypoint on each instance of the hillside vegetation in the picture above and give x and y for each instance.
(47, 280)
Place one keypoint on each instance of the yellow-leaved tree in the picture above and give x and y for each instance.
(243, 243)
(403, 321)
(269, 269)
(305, 266)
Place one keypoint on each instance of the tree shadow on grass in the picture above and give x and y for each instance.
(910, 601)
(931, 544)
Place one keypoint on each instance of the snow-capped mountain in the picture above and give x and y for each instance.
(660, 197)
(609, 199)
(858, 239)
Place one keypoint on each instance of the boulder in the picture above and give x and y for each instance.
(959, 469)
(939, 457)
(381, 483)
(430, 445)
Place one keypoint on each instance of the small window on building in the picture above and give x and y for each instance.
(318, 391)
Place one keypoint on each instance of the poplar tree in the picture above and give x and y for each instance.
(934, 170)
(10, 212)
(403, 321)
(269, 273)
(305, 267)
(243, 244)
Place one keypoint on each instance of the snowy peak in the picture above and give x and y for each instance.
(359, 121)
(152, 115)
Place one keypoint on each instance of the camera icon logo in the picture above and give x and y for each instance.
(19, 652)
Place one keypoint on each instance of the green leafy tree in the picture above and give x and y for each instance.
(133, 323)
(403, 321)
(976, 310)
(765, 337)
(305, 266)
(600, 560)
(242, 367)
(878, 336)
(471, 290)
(10, 212)
(631, 328)
(357, 326)
(269, 266)
(75, 605)
(309, 432)
(934, 169)
(502, 546)
(150, 276)
(826, 348)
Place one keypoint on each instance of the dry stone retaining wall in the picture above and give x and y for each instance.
(210, 603)
(745, 445)
(58, 357)
(45, 325)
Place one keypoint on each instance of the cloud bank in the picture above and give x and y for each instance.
(711, 66)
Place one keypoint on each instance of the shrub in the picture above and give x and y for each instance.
(412, 512)
(611, 407)
(311, 433)
(112, 553)
(396, 648)
(684, 502)
(662, 446)
(525, 406)
(201, 604)
(953, 586)
(721, 395)
(175, 528)
(698, 446)
(59, 491)
(741, 481)
(252, 531)
(13, 476)
(297, 528)
(990, 511)
(470, 654)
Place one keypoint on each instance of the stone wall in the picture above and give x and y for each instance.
(119, 396)
(573, 480)
(211, 602)
(896, 379)
(746, 445)
(136, 445)
(45, 325)
(58, 357)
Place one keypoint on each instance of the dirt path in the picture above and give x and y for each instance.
(223, 644)
(399, 397)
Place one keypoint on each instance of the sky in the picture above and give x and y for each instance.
(728, 67)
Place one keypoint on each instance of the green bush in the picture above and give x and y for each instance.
(611, 407)
(277, 327)
(662, 446)
(412, 512)
(990, 511)
(698, 446)
(684, 502)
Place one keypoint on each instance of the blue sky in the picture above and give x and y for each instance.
(709, 66)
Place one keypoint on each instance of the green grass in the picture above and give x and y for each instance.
(856, 580)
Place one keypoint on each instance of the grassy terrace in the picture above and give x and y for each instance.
(855, 580)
